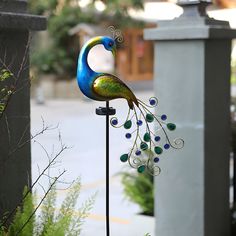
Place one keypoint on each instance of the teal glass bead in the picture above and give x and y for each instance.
(149, 118)
(124, 157)
(146, 137)
(143, 146)
(171, 126)
(128, 124)
(141, 169)
(158, 150)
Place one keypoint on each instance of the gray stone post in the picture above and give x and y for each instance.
(192, 83)
(15, 156)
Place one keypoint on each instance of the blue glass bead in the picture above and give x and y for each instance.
(139, 122)
(163, 117)
(114, 121)
(128, 135)
(138, 152)
(156, 159)
(152, 102)
(167, 146)
(157, 138)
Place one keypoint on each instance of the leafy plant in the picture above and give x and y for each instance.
(233, 79)
(22, 220)
(139, 189)
(22, 216)
(118, 12)
(5, 89)
(60, 56)
(50, 221)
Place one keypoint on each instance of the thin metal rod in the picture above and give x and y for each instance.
(107, 171)
(234, 177)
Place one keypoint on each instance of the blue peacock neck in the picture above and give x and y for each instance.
(85, 75)
(83, 57)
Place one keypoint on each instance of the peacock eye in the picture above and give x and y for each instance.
(110, 44)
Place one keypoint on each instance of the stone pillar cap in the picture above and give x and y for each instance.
(13, 6)
(13, 15)
(190, 2)
(194, 23)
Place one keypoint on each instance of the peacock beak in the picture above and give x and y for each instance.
(113, 51)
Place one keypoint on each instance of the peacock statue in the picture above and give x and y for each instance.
(148, 132)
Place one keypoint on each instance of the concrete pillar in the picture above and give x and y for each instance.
(192, 83)
(15, 168)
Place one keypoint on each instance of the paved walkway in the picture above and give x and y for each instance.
(84, 131)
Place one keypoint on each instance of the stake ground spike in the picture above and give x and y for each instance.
(107, 111)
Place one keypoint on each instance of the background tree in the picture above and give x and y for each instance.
(61, 55)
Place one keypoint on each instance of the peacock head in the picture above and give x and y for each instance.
(109, 44)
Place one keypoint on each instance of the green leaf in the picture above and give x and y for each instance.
(5, 74)
(2, 107)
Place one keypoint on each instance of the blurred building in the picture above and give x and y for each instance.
(135, 57)
(134, 60)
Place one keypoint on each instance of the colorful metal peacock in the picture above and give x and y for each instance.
(146, 148)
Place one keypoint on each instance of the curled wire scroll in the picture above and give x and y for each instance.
(116, 33)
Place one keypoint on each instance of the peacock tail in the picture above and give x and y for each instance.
(148, 145)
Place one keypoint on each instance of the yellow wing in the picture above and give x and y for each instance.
(108, 87)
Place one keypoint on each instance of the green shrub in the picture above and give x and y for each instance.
(22, 216)
(233, 79)
(138, 188)
(50, 221)
(60, 55)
